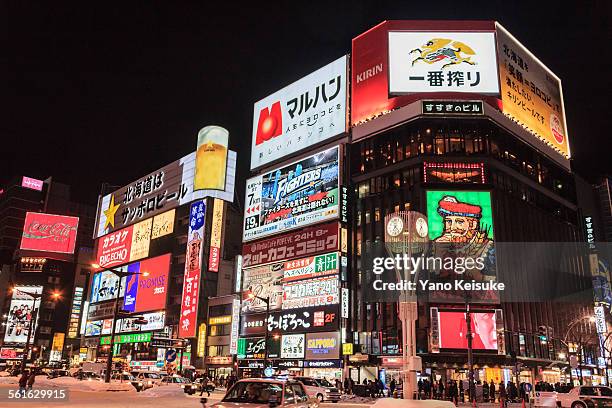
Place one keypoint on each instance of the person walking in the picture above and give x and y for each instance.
(205, 386)
(420, 387)
(485, 391)
(453, 393)
(502, 392)
(347, 388)
(31, 379)
(392, 386)
(440, 389)
(23, 382)
(492, 391)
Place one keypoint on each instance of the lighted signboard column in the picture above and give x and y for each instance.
(193, 262)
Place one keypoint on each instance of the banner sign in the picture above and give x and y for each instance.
(193, 265)
(292, 346)
(144, 293)
(323, 346)
(32, 183)
(252, 348)
(294, 196)
(160, 191)
(21, 310)
(216, 230)
(313, 292)
(441, 107)
(312, 267)
(75, 312)
(128, 338)
(323, 364)
(155, 321)
(235, 326)
(306, 242)
(315, 319)
(301, 115)
(49, 233)
(163, 224)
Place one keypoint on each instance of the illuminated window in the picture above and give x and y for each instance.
(377, 214)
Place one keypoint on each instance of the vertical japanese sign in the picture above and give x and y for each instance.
(75, 312)
(193, 265)
(216, 231)
(531, 94)
(235, 326)
(57, 347)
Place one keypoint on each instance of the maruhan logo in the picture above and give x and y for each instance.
(370, 72)
(270, 123)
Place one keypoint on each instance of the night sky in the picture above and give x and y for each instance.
(108, 93)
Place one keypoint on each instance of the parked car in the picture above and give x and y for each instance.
(585, 397)
(175, 380)
(264, 393)
(58, 373)
(320, 389)
(196, 386)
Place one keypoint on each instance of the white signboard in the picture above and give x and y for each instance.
(312, 292)
(300, 115)
(292, 346)
(296, 195)
(600, 319)
(345, 303)
(155, 321)
(235, 326)
(437, 61)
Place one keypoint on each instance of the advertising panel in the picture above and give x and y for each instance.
(99, 310)
(141, 239)
(193, 265)
(453, 330)
(253, 324)
(323, 346)
(155, 321)
(370, 58)
(300, 194)
(312, 267)
(211, 158)
(315, 319)
(292, 346)
(306, 242)
(309, 111)
(216, 230)
(252, 348)
(163, 224)
(144, 293)
(531, 94)
(114, 249)
(49, 233)
(104, 286)
(160, 191)
(235, 326)
(20, 314)
(32, 183)
(313, 292)
(265, 282)
(439, 61)
(75, 313)
(57, 347)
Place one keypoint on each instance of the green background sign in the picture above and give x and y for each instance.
(480, 198)
(128, 338)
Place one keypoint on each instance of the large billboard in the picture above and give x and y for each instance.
(305, 113)
(193, 270)
(104, 286)
(154, 321)
(49, 233)
(144, 293)
(453, 330)
(211, 158)
(21, 311)
(305, 242)
(531, 93)
(265, 282)
(216, 230)
(323, 346)
(314, 319)
(160, 191)
(312, 292)
(442, 61)
(294, 196)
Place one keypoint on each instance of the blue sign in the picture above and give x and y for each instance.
(197, 215)
(170, 355)
(268, 372)
(131, 287)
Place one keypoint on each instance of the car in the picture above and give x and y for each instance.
(175, 380)
(58, 373)
(321, 389)
(149, 378)
(267, 392)
(127, 377)
(196, 386)
(585, 397)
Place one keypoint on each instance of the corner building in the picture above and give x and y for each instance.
(449, 119)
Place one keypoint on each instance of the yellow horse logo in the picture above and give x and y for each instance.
(443, 49)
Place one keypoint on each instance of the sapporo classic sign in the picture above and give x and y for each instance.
(299, 194)
(300, 115)
(164, 189)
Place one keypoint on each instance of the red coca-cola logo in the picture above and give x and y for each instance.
(59, 231)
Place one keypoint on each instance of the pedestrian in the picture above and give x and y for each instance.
(205, 386)
(31, 379)
(347, 387)
(23, 382)
(427, 388)
(492, 391)
(502, 392)
(351, 385)
(440, 389)
(435, 390)
(338, 384)
(392, 386)
(461, 391)
(485, 391)
(365, 381)
(380, 388)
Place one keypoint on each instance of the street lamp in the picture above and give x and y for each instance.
(33, 319)
(120, 275)
(570, 327)
(266, 300)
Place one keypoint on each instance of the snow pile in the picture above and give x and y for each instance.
(9, 380)
(355, 399)
(405, 403)
(86, 385)
(163, 391)
(5, 374)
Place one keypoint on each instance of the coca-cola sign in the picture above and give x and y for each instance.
(49, 233)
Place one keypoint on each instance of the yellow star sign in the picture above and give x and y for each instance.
(110, 213)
